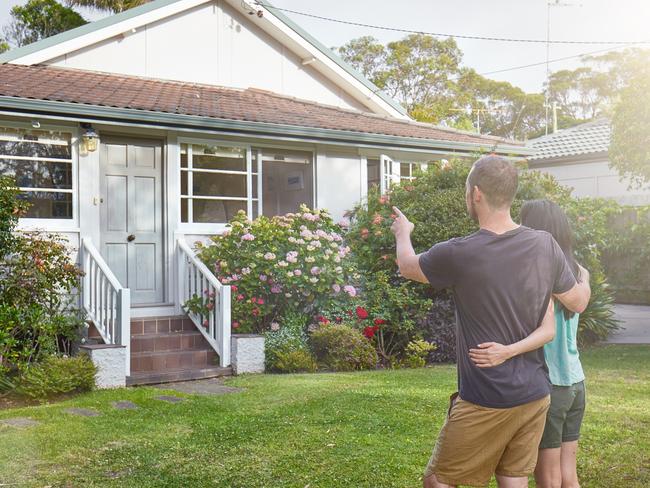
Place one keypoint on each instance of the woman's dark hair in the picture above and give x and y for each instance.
(549, 216)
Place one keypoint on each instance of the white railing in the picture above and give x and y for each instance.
(197, 281)
(106, 302)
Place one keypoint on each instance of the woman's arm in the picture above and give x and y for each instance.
(577, 298)
(490, 354)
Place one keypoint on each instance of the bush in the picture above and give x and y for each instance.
(298, 361)
(415, 354)
(57, 375)
(275, 265)
(286, 349)
(342, 348)
(439, 328)
(37, 280)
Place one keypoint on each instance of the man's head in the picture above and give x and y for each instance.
(491, 186)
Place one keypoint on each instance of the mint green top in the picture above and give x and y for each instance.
(562, 357)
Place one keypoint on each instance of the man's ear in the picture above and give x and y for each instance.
(477, 195)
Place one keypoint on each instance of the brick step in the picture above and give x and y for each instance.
(170, 376)
(172, 360)
(171, 341)
(161, 325)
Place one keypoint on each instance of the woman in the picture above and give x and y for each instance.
(556, 462)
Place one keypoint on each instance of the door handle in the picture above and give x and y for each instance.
(131, 238)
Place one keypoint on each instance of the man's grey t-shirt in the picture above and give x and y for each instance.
(502, 284)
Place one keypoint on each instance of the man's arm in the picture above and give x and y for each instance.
(491, 354)
(407, 261)
(577, 298)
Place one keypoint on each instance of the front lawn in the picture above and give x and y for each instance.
(372, 429)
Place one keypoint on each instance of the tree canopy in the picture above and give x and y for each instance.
(115, 6)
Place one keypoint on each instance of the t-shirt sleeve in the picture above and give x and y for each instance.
(564, 279)
(437, 264)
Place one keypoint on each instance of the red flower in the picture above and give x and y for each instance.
(233, 288)
(338, 320)
(210, 305)
(260, 301)
(379, 321)
(235, 325)
(364, 233)
(369, 332)
(322, 320)
(362, 313)
(240, 297)
(256, 311)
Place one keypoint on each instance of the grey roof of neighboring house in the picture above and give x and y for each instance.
(579, 141)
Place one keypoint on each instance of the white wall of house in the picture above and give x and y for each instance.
(212, 44)
(596, 179)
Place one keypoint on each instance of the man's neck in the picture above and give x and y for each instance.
(497, 221)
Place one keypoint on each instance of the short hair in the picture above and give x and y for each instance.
(497, 178)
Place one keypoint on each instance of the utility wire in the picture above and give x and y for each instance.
(439, 34)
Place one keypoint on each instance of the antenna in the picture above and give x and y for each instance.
(549, 4)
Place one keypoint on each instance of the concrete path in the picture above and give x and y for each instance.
(212, 386)
(635, 325)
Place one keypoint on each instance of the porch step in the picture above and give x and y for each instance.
(170, 376)
(171, 360)
(172, 341)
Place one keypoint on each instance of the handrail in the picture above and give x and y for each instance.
(196, 280)
(105, 300)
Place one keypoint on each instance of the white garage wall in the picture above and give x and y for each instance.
(596, 179)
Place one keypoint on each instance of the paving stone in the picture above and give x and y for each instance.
(124, 405)
(212, 386)
(82, 412)
(19, 422)
(169, 398)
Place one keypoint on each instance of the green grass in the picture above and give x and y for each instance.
(372, 429)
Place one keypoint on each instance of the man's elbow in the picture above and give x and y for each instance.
(410, 271)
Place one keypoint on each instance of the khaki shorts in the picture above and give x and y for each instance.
(477, 441)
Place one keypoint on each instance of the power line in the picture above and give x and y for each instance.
(439, 34)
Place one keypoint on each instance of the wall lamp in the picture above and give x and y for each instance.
(89, 138)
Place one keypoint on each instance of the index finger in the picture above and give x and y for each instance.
(398, 211)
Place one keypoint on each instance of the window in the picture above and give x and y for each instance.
(216, 182)
(41, 163)
(407, 170)
(374, 174)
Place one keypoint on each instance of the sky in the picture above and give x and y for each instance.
(576, 20)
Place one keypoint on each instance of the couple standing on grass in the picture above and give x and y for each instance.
(516, 288)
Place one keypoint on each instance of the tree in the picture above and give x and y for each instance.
(115, 6)
(629, 150)
(39, 19)
(4, 46)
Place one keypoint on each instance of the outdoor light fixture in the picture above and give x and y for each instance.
(89, 139)
(36, 124)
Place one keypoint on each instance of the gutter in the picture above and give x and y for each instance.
(103, 114)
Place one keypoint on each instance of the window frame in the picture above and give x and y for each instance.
(212, 227)
(53, 225)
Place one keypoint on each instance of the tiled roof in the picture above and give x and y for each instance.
(250, 105)
(584, 139)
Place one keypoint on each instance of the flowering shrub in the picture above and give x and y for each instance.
(293, 262)
(37, 280)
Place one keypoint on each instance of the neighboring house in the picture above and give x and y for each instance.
(578, 158)
(141, 133)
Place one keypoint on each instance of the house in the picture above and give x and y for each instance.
(140, 134)
(578, 158)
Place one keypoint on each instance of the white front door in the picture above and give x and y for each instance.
(131, 215)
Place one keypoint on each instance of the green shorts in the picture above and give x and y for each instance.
(564, 417)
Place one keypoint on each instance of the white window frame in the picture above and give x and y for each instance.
(211, 227)
(54, 225)
(389, 173)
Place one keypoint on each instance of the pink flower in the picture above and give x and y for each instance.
(205, 323)
(297, 272)
(235, 325)
(263, 278)
(336, 288)
(248, 237)
(350, 290)
(256, 311)
(384, 199)
(210, 306)
(275, 326)
(276, 288)
(315, 270)
(240, 297)
(260, 301)
(269, 256)
(377, 219)
(344, 222)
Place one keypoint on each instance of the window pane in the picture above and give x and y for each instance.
(254, 186)
(218, 185)
(183, 155)
(38, 174)
(373, 172)
(48, 205)
(215, 211)
(216, 157)
(35, 143)
(184, 216)
(184, 182)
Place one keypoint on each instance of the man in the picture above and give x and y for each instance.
(502, 278)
